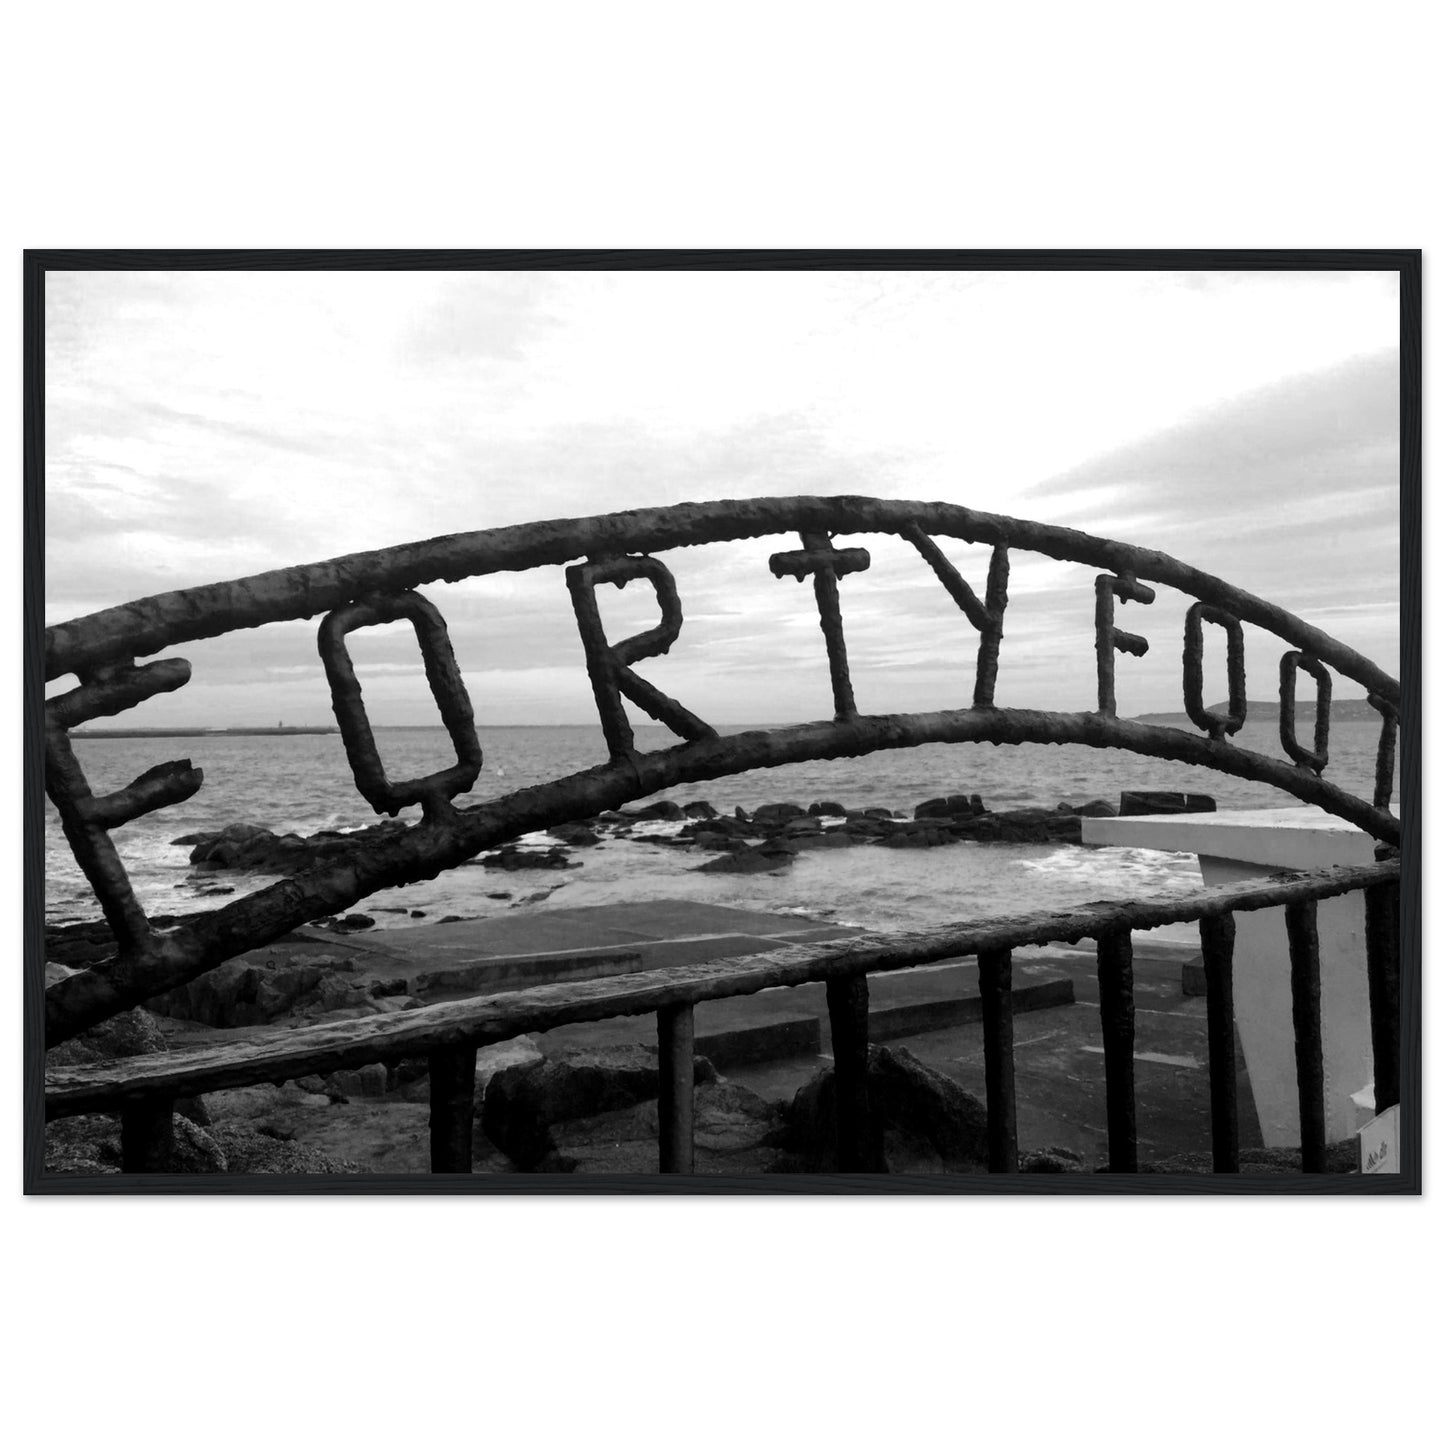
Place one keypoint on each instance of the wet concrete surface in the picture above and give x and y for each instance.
(1059, 1062)
(775, 1041)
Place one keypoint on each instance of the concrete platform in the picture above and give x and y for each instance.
(775, 1040)
(1236, 847)
(460, 960)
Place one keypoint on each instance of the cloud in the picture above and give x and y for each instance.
(203, 426)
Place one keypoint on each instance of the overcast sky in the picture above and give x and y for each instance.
(206, 426)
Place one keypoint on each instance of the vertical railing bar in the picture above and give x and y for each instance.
(848, 1023)
(995, 989)
(675, 1089)
(147, 1137)
(1216, 937)
(1304, 973)
(1116, 1015)
(452, 1081)
(1382, 960)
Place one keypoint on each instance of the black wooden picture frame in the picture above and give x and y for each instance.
(1406, 264)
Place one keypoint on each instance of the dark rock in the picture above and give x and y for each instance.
(194, 1151)
(773, 813)
(1051, 1161)
(924, 1120)
(798, 827)
(244, 846)
(196, 1110)
(917, 838)
(512, 858)
(122, 1036)
(367, 1082)
(663, 811)
(730, 827)
(90, 1144)
(828, 810)
(521, 1104)
(418, 913)
(1097, 808)
(735, 1131)
(257, 1151)
(261, 987)
(763, 859)
(1143, 803)
(955, 805)
(700, 809)
(577, 834)
(86, 1144)
(1023, 825)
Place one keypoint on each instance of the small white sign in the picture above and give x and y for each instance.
(1380, 1143)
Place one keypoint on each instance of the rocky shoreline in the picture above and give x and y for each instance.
(764, 840)
(537, 1107)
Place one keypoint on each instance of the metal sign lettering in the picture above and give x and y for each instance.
(366, 589)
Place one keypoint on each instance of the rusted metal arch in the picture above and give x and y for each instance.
(441, 842)
(141, 628)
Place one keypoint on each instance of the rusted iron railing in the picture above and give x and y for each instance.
(145, 1089)
(375, 587)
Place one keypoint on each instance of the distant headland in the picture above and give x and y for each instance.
(276, 732)
(1350, 709)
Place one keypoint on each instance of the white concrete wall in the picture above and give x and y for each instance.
(1243, 846)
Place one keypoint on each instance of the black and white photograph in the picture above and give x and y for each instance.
(736, 722)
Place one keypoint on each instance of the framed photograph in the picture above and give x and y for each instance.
(809, 721)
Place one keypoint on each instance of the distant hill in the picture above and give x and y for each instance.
(1349, 709)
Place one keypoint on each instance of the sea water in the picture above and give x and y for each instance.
(302, 784)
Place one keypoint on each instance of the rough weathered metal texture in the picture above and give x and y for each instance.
(157, 787)
(1385, 754)
(141, 628)
(1109, 639)
(87, 820)
(609, 665)
(1304, 975)
(1116, 1019)
(116, 690)
(434, 845)
(995, 989)
(986, 616)
(1316, 758)
(1217, 725)
(1216, 935)
(147, 1136)
(859, 1147)
(675, 1081)
(1382, 956)
(90, 842)
(825, 564)
(452, 1082)
(447, 687)
(322, 1048)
